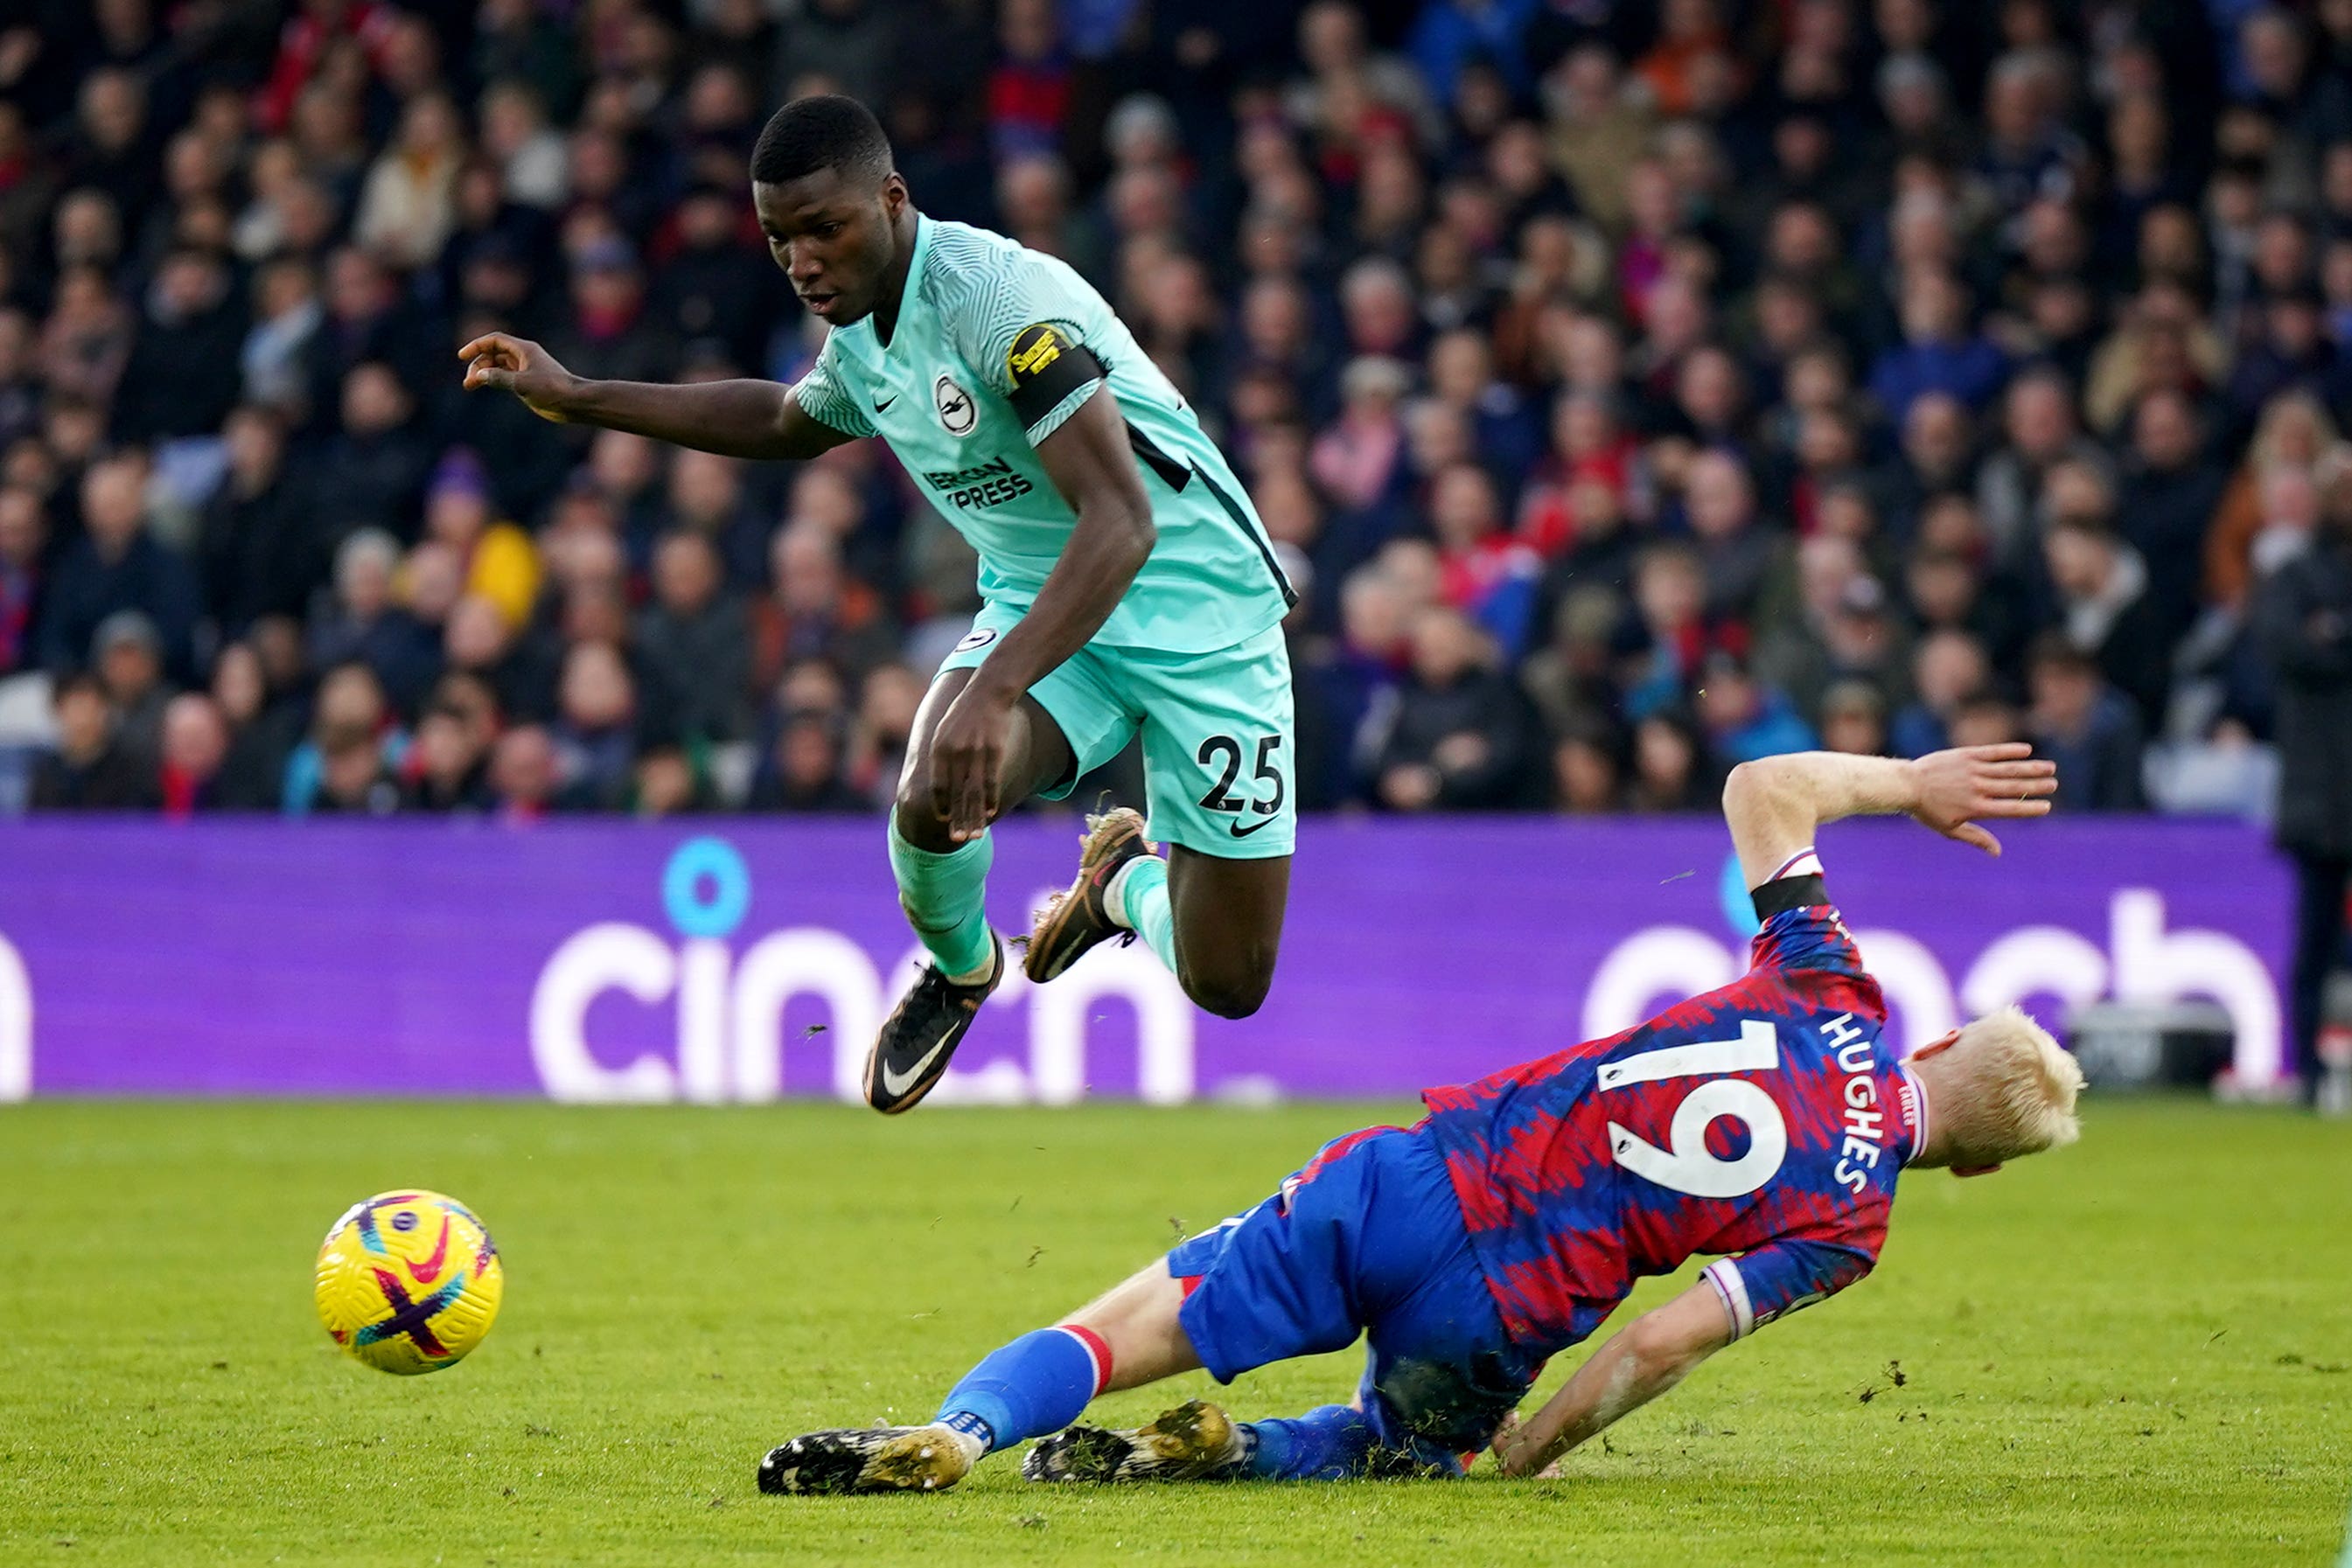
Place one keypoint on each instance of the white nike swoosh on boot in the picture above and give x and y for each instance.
(895, 1084)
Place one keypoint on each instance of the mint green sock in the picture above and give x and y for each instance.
(942, 895)
(1143, 899)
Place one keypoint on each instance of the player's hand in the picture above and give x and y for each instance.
(967, 759)
(518, 365)
(1959, 786)
(1505, 1444)
(1516, 1452)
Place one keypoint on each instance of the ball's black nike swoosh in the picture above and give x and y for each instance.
(1241, 832)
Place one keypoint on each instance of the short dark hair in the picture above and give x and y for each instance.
(828, 131)
(74, 684)
(2053, 650)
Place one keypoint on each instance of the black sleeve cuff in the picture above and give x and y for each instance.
(1790, 893)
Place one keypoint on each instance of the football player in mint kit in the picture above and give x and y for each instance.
(1127, 583)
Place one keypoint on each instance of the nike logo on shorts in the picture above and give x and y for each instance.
(896, 1084)
(883, 406)
(1241, 832)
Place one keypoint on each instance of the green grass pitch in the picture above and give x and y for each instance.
(2137, 1350)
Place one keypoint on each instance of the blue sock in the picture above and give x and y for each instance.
(1327, 1444)
(1036, 1384)
(1143, 900)
(942, 895)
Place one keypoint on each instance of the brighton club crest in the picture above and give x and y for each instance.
(957, 412)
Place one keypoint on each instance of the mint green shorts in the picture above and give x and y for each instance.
(1216, 732)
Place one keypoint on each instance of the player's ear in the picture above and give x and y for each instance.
(1942, 1043)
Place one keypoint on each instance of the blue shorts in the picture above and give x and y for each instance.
(1367, 1238)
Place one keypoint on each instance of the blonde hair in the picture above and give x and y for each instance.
(2003, 1090)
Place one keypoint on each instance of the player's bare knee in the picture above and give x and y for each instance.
(1234, 995)
(918, 822)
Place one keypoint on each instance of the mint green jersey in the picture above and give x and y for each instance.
(959, 392)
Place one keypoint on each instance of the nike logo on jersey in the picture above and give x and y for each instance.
(883, 406)
(1241, 832)
(896, 1084)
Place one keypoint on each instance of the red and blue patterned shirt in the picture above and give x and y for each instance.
(1762, 1122)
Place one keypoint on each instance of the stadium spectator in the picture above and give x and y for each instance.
(2086, 726)
(608, 333)
(363, 621)
(497, 559)
(1670, 765)
(447, 767)
(1489, 576)
(24, 535)
(2167, 501)
(2295, 430)
(118, 565)
(372, 476)
(1735, 549)
(694, 636)
(1570, 679)
(405, 208)
(1460, 732)
(814, 609)
(1354, 676)
(2105, 611)
(1852, 718)
(1587, 773)
(1744, 717)
(256, 544)
(1838, 630)
(346, 764)
(2039, 429)
(802, 771)
(88, 771)
(126, 653)
(275, 356)
(706, 496)
(1358, 459)
(527, 152)
(885, 727)
(182, 376)
(1939, 352)
(712, 287)
(260, 733)
(596, 727)
(1948, 667)
(194, 747)
(523, 777)
(2302, 615)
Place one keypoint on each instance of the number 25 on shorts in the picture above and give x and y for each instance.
(1225, 752)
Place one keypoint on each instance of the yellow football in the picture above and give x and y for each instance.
(409, 1281)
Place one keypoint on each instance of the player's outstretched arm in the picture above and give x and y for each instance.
(1774, 803)
(1638, 1362)
(736, 418)
(1094, 469)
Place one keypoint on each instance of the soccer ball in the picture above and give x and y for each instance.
(408, 1282)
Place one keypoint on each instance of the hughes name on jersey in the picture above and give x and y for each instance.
(1762, 1124)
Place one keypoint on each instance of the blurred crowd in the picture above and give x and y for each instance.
(1636, 388)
